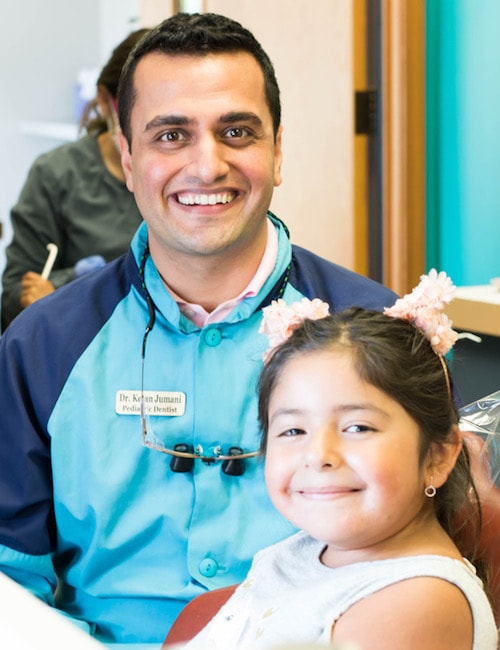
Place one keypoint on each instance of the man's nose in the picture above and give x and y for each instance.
(209, 160)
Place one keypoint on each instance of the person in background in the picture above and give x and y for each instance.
(363, 453)
(74, 197)
(130, 478)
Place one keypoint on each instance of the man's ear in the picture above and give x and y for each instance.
(278, 158)
(441, 458)
(126, 161)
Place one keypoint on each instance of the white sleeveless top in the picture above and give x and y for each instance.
(290, 597)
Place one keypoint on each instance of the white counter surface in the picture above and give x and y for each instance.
(476, 309)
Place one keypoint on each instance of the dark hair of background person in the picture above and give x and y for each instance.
(92, 121)
(395, 357)
(196, 35)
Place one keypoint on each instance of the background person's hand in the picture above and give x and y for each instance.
(34, 287)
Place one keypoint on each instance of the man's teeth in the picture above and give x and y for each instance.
(205, 199)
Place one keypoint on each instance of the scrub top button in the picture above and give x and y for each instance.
(208, 567)
(213, 337)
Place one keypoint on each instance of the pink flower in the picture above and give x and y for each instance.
(435, 289)
(423, 307)
(279, 319)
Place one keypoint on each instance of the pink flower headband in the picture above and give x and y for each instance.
(279, 319)
(422, 307)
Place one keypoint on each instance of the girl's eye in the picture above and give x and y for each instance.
(289, 433)
(358, 428)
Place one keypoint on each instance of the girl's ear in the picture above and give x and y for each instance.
(441, 458)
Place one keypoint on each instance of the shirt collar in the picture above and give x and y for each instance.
(200, 317)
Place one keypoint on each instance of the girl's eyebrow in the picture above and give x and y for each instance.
(361, 406)
(340, 408)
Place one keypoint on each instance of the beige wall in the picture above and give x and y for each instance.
(310, 45)
(154, 11)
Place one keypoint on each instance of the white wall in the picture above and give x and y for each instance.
(43, 47)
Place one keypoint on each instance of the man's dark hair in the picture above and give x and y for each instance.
(197, 35)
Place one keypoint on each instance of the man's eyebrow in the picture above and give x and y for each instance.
(161, 121)
(167, 120)
(240, 116)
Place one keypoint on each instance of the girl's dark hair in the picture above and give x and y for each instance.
(109, 77)
(395, 357)
(197, 35)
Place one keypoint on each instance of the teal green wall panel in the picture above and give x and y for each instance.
(463, 138)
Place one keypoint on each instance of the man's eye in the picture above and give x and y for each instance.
(172, 136)
(237, 132)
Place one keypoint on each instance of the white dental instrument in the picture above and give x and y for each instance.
(51, 258)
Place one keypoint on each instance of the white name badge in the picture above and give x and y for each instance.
(157, 402)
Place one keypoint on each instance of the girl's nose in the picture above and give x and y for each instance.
(323, 449)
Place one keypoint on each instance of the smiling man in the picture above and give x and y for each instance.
(202, 159)
(129, 472)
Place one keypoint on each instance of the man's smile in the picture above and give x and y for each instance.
(206, 199)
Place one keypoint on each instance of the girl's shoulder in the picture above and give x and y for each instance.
(419, 612)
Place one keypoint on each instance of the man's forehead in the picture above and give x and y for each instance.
(160, 77)
(163, 60)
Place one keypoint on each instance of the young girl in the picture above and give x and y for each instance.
(364, 455)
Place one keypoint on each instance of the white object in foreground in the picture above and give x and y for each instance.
(26, 623)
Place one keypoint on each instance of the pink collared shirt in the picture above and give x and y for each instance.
(200, 317)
